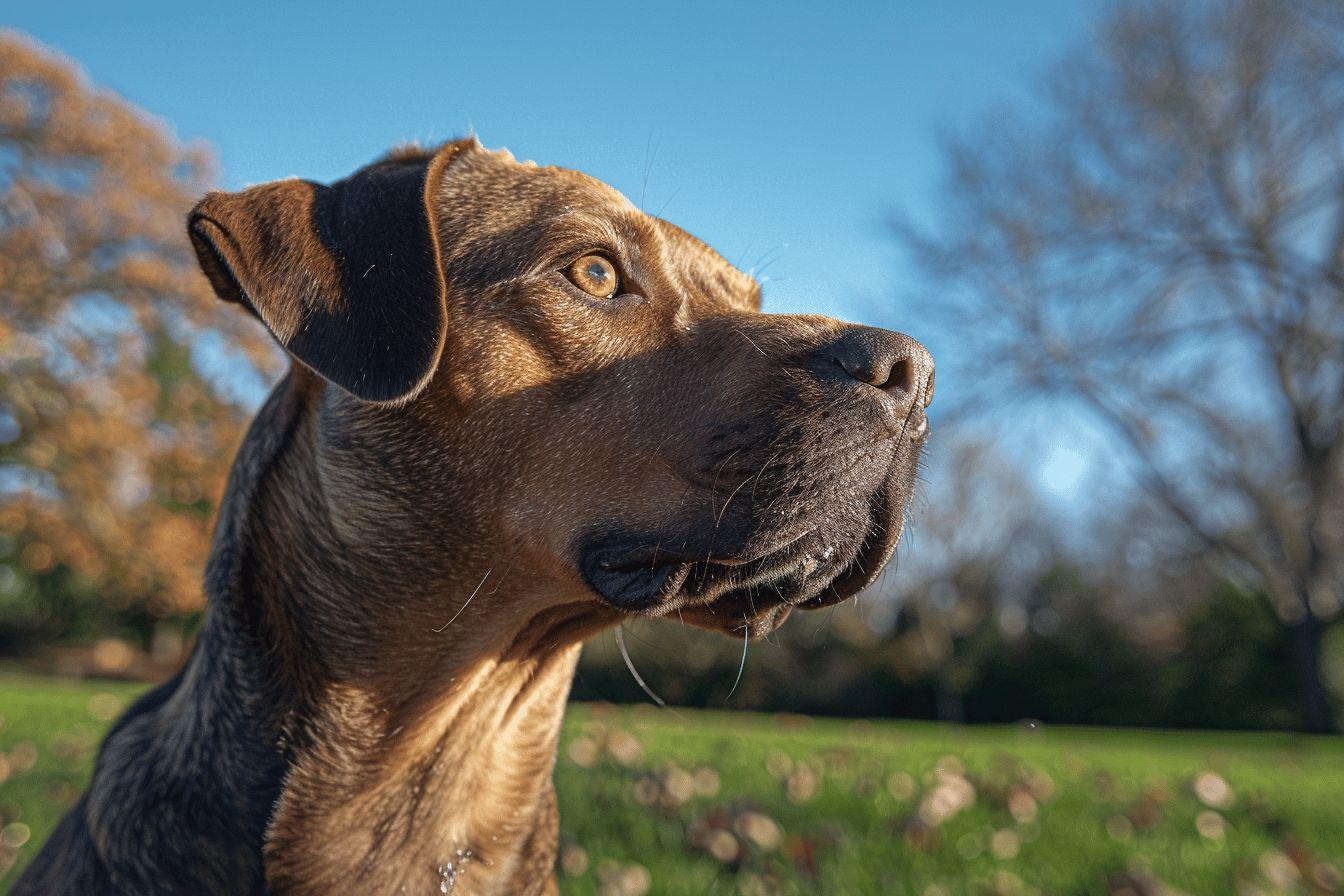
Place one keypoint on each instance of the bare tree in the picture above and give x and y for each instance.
(1159, 238)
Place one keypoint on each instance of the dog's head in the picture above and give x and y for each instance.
(523, 367)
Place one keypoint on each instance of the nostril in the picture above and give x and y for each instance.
(892, 362)
(901, 376)
(889, 376)
(860, 369)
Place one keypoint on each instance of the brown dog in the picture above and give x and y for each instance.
(521, 411)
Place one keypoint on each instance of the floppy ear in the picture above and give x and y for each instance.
(346, 277)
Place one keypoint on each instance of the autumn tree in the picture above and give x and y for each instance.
(123, 383)
(1159, 239)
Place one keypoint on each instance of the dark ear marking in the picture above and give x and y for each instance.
(347, 277)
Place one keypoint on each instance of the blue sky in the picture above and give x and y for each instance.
(783, 133)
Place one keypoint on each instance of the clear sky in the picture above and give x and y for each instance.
(782, 133)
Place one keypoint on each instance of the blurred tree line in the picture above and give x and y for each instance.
(121, 379)
(1156, 240)
(1154, 243)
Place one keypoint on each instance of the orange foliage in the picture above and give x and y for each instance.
(114, 443)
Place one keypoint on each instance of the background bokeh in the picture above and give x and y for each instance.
(1119, 227)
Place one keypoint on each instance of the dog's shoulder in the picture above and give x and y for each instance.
(68, 862)
(166, 812)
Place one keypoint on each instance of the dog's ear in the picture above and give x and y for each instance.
(346, 277)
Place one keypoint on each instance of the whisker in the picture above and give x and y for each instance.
(664, 206)
(464, 605)
(719, 472)
(746, 639)
(750, 342)
(719, 518)
(743, 257)
(648, 162)
(757, 480)
(630, 664)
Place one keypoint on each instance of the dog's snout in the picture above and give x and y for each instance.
(892, 362)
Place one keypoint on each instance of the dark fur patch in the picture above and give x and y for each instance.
(345, 276)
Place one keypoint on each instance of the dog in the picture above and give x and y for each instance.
(519, 411)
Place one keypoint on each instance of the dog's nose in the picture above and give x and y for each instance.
(892, 362)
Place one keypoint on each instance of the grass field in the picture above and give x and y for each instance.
(679, 802)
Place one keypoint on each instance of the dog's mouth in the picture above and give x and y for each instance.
(808, 569)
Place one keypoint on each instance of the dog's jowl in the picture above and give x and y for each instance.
(519, 410)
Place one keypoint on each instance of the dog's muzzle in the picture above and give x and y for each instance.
(824, 512)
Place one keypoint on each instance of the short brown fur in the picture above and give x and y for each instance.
(471, 467)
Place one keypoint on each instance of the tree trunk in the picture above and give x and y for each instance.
(1317, 717)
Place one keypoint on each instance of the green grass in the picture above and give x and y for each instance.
(683, 802)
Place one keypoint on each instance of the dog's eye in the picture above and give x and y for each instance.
(594, 275)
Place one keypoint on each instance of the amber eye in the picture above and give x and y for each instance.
(594, 275)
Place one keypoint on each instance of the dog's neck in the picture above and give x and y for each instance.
(450, 788)
(419, 731)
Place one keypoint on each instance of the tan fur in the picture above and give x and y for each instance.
(439, 504)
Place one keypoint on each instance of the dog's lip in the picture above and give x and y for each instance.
(629, 584)
(656, 555)
(645, 576)
(871, 557)
(778, 546)
(766, 618)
